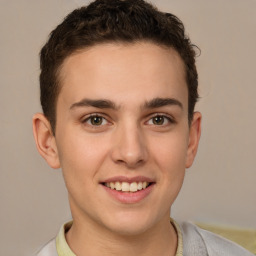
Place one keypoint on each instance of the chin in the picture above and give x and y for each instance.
(129, 230)
(129, 224)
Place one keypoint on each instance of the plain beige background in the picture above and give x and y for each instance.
(220, 187)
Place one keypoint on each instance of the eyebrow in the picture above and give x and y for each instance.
(161, 102)
(107, 104)
(101, 103)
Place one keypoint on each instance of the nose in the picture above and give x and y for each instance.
(129, 147)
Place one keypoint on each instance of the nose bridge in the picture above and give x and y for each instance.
(130, 145)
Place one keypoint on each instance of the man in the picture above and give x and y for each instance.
(118, 89)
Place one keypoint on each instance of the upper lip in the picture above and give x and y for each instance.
(128, 179)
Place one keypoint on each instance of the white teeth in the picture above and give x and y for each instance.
(112, 185)
(133, 187)
(127, 187)
(118, 186)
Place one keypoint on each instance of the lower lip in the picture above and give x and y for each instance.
(129, 197)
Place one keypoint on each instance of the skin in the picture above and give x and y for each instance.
(129, 143)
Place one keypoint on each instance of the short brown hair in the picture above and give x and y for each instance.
(103, 21)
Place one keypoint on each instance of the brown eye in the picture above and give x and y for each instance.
(158, 120)
(96, 120)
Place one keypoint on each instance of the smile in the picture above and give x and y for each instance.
(126, 186)
(128, 190)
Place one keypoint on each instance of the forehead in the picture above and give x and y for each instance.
(122, 73)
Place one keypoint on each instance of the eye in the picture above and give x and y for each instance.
(160, 120)
(95, 120)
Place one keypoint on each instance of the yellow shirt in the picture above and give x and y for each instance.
(64, 250)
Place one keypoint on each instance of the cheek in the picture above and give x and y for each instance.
(81, 157)
(169, 152)
(169, 156)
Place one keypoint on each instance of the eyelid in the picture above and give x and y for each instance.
(85, 118)
(170, 118)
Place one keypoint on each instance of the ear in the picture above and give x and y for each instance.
(194, 136)
(45, 140)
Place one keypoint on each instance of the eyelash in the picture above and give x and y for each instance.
(96, 115)
(104, 119)
(169, 119)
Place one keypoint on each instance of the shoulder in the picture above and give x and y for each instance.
(197, 241)
(49, 249)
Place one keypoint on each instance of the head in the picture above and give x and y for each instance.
(118, 89)
(120, 21)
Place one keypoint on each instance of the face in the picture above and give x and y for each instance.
(122, 134)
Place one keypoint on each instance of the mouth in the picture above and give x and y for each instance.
(128, 187)
(128, 190)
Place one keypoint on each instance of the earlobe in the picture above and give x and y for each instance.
(194, 136)
(45, 140)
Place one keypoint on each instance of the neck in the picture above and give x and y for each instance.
(88, 239)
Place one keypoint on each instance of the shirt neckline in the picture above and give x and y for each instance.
(63, 248)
